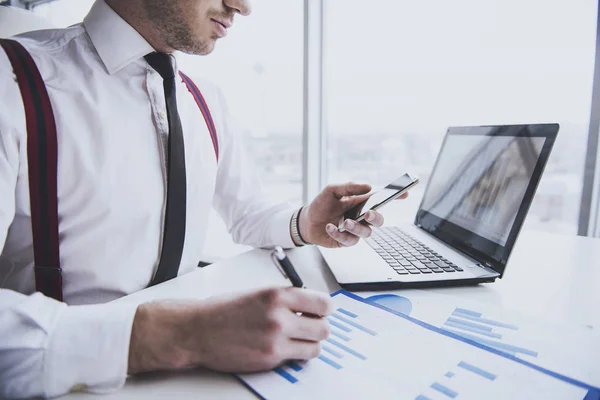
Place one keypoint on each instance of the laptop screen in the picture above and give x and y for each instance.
(482, 186)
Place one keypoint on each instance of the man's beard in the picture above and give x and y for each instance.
(168, 18)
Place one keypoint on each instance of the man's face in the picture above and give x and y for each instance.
(193, 26)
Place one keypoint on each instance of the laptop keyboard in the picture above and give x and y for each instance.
(406, 255)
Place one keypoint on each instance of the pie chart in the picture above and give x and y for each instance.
(393, 302)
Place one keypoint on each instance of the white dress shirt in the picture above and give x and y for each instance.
(112, 132)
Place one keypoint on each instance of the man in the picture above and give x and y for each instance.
(114, 118)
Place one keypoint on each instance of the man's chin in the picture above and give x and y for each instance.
(199, 49)
(206, 46)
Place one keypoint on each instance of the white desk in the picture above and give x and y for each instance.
(549, 276)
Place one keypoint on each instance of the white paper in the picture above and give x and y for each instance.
(394, 358)
(570, 350)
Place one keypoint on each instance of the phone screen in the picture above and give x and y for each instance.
(381, 196)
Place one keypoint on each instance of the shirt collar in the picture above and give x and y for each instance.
(118, 44)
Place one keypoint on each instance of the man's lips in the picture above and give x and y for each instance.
(223, 22)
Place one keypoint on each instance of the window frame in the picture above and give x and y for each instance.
(589, 212)
(314, 134)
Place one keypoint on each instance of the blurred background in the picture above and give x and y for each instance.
(393, 75)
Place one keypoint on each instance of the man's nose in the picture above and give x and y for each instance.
(243, 7)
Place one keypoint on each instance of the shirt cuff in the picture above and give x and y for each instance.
(280, 231)
(88, 349)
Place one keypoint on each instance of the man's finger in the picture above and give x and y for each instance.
(308, 328)
(349, 189)
(343, 238)
(360, 230)
(403, 196)
(302, 350)
(374, 218)
(308, 301)
(356, 200)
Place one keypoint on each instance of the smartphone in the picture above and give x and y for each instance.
(380, 198)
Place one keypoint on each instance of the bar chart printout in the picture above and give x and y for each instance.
(372, 353)
(560, 347)
(475, 326)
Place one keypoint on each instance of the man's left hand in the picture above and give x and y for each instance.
(319, 220)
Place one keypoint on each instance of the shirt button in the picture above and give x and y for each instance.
(162, 116)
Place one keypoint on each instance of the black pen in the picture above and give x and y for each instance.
(284, 265)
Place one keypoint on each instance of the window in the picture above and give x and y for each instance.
(64, 13)
(259, 68)
(399, 73)
(396, 75)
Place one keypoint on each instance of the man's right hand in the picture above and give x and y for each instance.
(245, 333)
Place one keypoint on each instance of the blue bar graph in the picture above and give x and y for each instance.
(294, 366)
(471, 324)
(354, 324)
(471, 329)
(592, 395)
(338, 325)
(512, 353)
(421, 397)
(485, 321)
(340, 335)
(332, 351)
(444, 390)
(508, 348)
(477, 370)
(329, 361)
(346, 348)
(284, 374)
(348, 313)
(449, 374)
(468, 312)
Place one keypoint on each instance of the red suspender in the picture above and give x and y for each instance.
(204, 109)
(42, 150)
(42, 160)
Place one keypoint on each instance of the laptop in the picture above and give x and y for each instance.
(474, 205)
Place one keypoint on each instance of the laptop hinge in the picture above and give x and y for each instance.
(486, 265)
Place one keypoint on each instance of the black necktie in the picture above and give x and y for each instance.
(174, 234)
